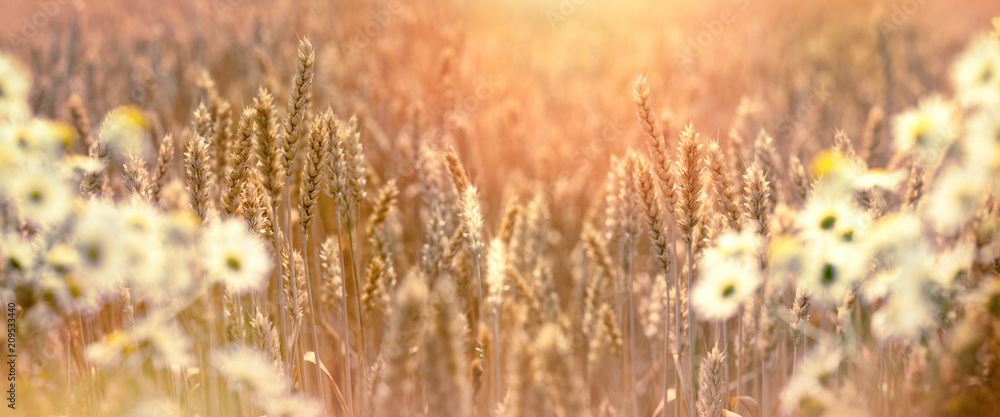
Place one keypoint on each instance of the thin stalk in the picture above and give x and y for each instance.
(361, 316)
(294, 279)
(677, 320)
(312, 317)
(739, 354)
(630, 274)
(694, 378)
(347, 326)
(725, 348)
(282, 342)
(666, 350)
(496, 353)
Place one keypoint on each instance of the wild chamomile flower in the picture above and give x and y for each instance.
(36, 140)
(63, 259)
(739, 247)
(812, 379)
(830, 268)
(976, 73)
(981, 147)
(954, 198)
(16, 255)
(145, 258)
(950, 264)
(786, 255)
(162, 343)
(249, 368)
(124, 130)
(15, 84)
(723, 288)
(235, 256)
(906, 312)
(893, 239)
(40, 197)
(165, 342)
(927, 130)
(97, 240)
(830, 217)
(835, 174)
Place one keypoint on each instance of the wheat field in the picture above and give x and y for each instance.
(520, 208)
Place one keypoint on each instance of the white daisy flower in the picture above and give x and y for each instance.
(62, 258)
(812, 379)
(16, 255)
(724, 287)
(40, 197)
(37, 139)
(981, 145)
(97, 240)
(739, 247)
(15, 84)
(950, 264)
(976, 73)
(162, 343)
(906, 311)
(836, 174)
(825, 218)
(954, 198)
(892, 239)
(235, 256)
(927, 130)
(251, 369)
(124, 130)
(830, 268)
(167, 344)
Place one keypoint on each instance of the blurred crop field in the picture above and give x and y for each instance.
(517, 208)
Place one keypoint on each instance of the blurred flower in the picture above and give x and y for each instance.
(17, 255)
(812, 379)
(786, 255)
(730, 275)
(63, 259)
(880, 178)
(830, 268)
(251, 369)
(723, 288)
(895, 238)
(161, 343)
(40, 197)
(981, 147)
(954, 198)
(824, 218)
(906, 311)
(739, 247)
(235, 256)
(145, 257)
(124, 130)
(835, 174)
(927, 130)
(15, 84)
(97, 240)
(976, 73)
(951, 264)
(36, 140)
